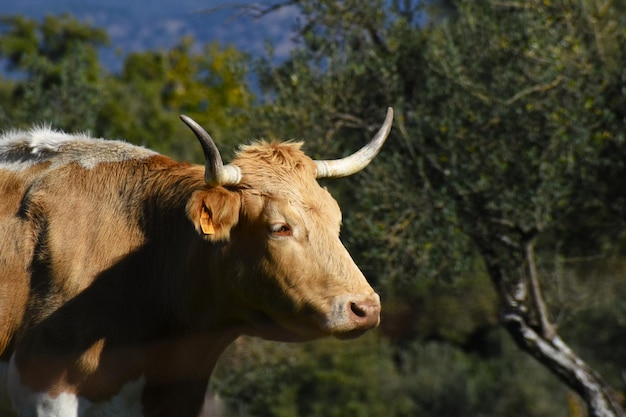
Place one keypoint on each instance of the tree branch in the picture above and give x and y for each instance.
(256, 11)
(543, 343)
(534, 89)
(547, 329)
(600, 399)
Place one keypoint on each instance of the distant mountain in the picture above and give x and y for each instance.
(135, 25)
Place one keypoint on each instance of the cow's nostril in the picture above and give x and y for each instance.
(359, 311)
(365, 314)
(352, 316)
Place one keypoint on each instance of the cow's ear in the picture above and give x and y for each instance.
(214, 212)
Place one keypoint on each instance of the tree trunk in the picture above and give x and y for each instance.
(562, 361)
(528, 323)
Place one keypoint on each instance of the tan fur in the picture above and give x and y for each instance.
(89, 361)
(106, 273)
(222, 208)
(266, 164)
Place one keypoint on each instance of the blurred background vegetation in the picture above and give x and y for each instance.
(506, 163)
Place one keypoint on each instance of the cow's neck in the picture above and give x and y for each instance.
(182, 299)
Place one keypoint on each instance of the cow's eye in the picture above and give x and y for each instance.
(280, 229)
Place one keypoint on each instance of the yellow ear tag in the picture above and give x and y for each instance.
(206, 224)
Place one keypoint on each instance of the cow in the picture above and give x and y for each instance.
(124, 274)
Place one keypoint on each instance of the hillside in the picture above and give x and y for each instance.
(148, 24)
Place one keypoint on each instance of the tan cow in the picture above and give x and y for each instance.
(124, 274)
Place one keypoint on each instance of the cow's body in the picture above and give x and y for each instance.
(123, 275)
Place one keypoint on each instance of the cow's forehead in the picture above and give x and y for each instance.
(282, 171)
(277, 169)
(269, 164)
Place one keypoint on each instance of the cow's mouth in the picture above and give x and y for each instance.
(346, 317)
(351, 334)
(265, 326)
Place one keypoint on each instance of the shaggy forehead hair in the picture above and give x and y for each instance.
(267, 164)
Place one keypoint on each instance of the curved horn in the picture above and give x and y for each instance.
(215, 173)
(360, 159)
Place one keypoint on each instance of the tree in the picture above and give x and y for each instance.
(157, 86)
(508, 144)
(60, 71)
(59, 81)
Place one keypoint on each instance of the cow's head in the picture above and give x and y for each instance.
(277, 232)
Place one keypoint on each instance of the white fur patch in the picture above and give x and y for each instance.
(45, 139)
(21, 150)
(26, 403)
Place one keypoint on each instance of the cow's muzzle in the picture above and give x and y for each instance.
(353, 315)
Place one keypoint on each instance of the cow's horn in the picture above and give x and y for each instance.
(215, 172)
(357, 161)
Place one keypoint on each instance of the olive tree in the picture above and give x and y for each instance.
(508, 143)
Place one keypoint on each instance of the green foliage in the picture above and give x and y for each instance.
(283, 380)
(513, 141)
(30, 46)
(59, 58)
(158, 86)
(371, 377)
(59, 81)
(592, 313)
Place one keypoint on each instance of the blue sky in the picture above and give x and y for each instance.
(151, 24)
